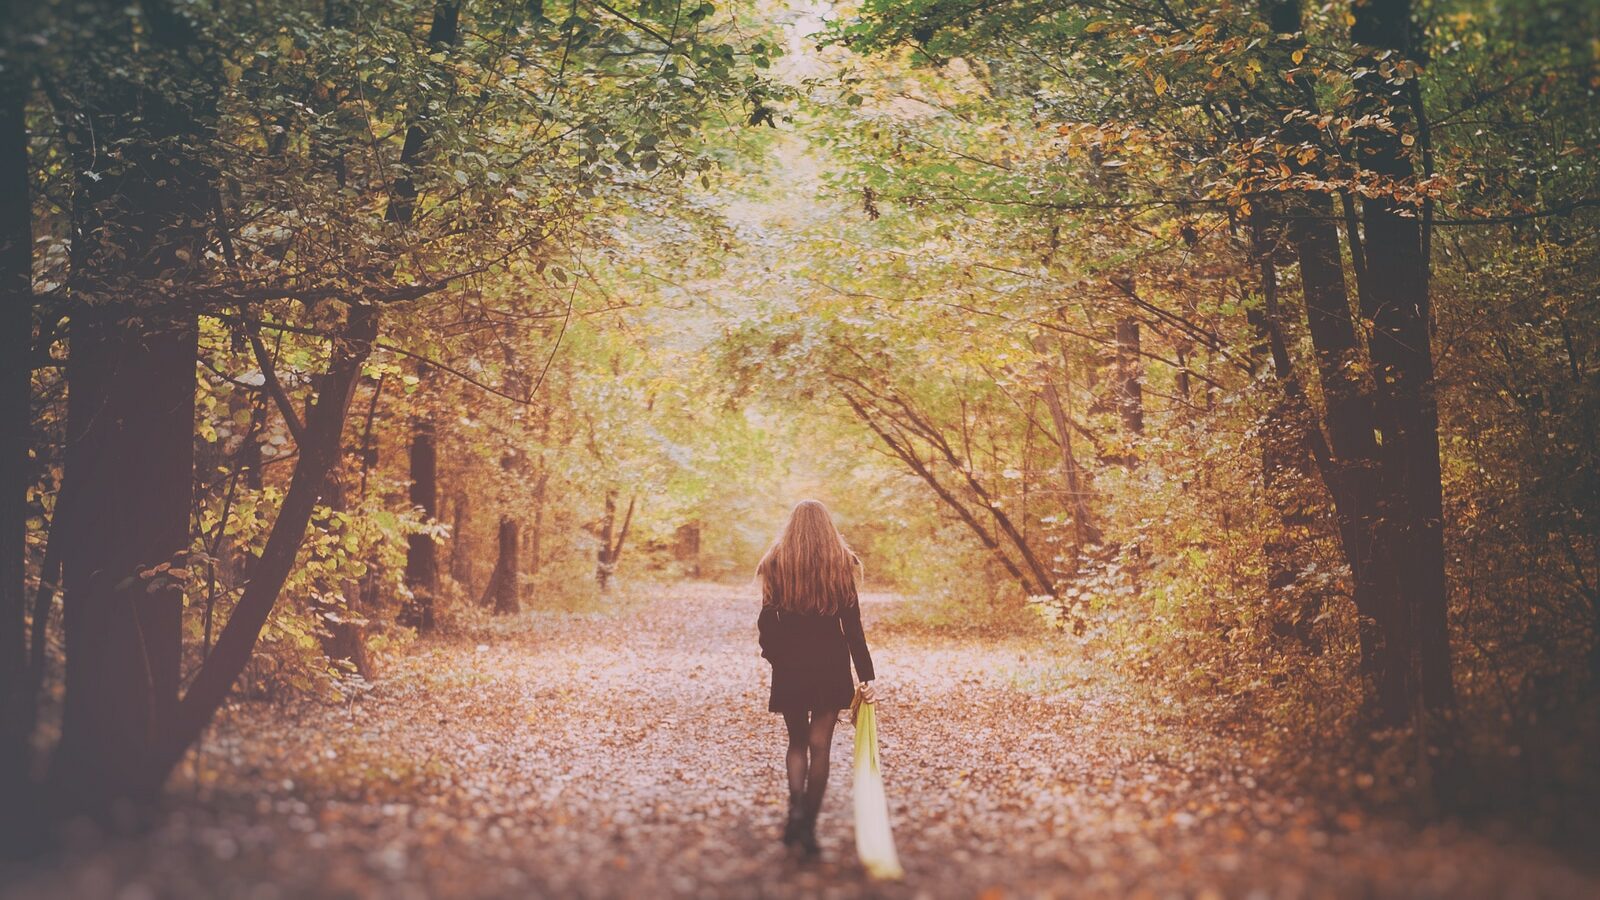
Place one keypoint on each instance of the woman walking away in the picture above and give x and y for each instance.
(810, 629)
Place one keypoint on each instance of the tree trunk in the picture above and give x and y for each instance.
(16, 373)
(536, 533)
(505, 584)
(344, 638)
(611, 549)
(686, 548)
(1083, 529)
(1353, 477)
(319, 452)
(1395, 299)
(1283, 430)
(131, 451)
(608, 524)
(422, 560)
(324, 426)
(422, 552)
(1130, 397)
(139, 229)
(1351, 468)
(460, 547)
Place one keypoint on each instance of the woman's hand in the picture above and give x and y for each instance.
(868, 695)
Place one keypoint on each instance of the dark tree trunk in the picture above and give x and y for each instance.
(126, 731)
(1283, 432)
(16, 372)
(130, 451)
(138, 237)
(1277, 442)
(1352, 477)
(505, 585)
(1395, 299)
(611, 540)
(324, 426)
(319, 453)
(343, 628)
(422, 552)
(1594, 642)
(249, 462)
(1130, 396)
(686, 548)
(422, 559)
(1349, 466)
(603, 564)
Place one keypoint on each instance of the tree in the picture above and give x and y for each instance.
(612, 537)
(1395, 298)
(16, 384)
(141, 221)
(422, 553)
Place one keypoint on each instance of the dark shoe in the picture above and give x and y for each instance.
(808, 837)
(793, 826)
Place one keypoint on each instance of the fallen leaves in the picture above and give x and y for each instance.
(631, 754)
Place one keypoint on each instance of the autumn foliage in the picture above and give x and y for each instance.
(1242, 355)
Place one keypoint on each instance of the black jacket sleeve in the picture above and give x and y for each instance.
(850, 619)
(768, 627)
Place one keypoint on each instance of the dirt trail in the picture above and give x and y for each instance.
(630, 755)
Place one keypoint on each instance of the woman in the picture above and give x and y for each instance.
(810, 629)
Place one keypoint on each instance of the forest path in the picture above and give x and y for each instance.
(630, 755)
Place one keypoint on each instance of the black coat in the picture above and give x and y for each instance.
(810, 656)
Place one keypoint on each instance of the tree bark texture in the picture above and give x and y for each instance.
(422, 552)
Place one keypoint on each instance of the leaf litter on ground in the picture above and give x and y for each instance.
(630, 754)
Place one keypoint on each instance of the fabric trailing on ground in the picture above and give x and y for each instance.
(874, 840)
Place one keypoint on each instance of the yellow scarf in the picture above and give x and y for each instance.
(874, 842)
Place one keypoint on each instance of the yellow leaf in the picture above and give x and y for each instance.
(1407, 139)
(1161, 85)
(1298, 55)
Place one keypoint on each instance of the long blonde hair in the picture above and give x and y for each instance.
(809, 568)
